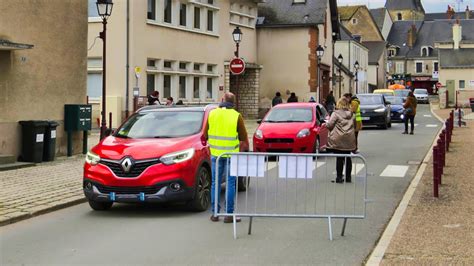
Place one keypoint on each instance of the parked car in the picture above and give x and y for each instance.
(401, 93)
(157, 155)
(421, 95)
(375, 110)
(396, 105)
(292, 128)
(385, 92)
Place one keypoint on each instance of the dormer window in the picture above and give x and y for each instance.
(426, 51)
(399, 16)
(392, 52)
(354, 21)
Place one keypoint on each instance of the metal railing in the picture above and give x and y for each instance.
(282, 185)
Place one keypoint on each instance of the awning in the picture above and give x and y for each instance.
(6, 45)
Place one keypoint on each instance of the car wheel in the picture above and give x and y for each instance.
(244, 183)
(100, 206)
(385, 125)
(202, 195)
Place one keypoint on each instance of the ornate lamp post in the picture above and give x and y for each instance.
(237, 36)
(104, 8)
(339, 59)
(319, 54)
(356, 68)
(377, 75)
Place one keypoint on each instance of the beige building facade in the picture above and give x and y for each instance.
(181, 47)
(43, 53)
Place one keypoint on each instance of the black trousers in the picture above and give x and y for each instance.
(412, 122)
(340, 164)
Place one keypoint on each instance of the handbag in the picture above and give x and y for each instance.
(408, 111)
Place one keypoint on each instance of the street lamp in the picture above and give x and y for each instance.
(104, 8)
(377, 75)
(339, 59)
(356, 68)
(237, 36)
(319, 54)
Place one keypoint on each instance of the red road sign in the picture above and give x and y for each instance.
(438, 85)
(237, 66)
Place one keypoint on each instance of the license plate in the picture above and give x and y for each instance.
(365, 118)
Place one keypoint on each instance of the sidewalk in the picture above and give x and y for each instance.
(440, 231)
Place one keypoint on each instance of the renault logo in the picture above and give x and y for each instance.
(127, 165)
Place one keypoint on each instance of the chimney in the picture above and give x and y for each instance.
(457, 34)
(468, 13)
(411, 36)
(450, 13)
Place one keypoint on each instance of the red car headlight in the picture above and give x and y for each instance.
(259, 134)
(92, 158)
(177, 157)
(303, 133)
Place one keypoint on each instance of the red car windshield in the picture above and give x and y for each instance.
(289, 115)
(162, 124)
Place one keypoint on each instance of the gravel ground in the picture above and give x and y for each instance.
(440, 231)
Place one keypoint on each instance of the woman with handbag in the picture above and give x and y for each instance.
(410, 112)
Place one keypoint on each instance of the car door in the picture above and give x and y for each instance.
(321, 116)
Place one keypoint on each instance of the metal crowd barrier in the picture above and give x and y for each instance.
(282, 185)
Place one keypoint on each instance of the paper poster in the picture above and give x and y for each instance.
(39, 137)
(247, 165)
(295, 167)
(53, 134)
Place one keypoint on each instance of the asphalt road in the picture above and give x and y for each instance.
(145, 235)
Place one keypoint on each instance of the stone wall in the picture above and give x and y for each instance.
(246, 87)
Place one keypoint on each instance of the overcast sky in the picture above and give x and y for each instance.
(429, 5)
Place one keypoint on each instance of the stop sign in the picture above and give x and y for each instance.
(438, 85)
(237, 66)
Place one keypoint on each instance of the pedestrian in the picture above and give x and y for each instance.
(355, 108)
(292, 98)
(170, 101)
(277, 99)
(153, 98)
(410, 112)
(330, 102)
(312, 100)
(225, 129)
(341, 139)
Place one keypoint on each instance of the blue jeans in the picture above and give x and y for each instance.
(222, 172)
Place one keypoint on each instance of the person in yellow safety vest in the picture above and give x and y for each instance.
(225, 129)
(355, 108)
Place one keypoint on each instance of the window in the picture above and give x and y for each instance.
(435, 66)
(392, 52)
(182, 66)
(211, 2)
(241, 15)
(196, 88)
(197, 18)
(167, 64)
(424, 52)
(462, 84)
(419, 67)
(209, 88)
(150, 83)
(182, 87)
(400, 68)
(151, 14)
(94, 85)
(182, 15)
(210, 20)
(93, 9)
(168, 11)
(151, 62)
(166, 86)
(197, 67)
(399, 16)
(210, 68)
(354, 21)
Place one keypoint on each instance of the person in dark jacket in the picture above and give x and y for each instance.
(277, 99)
(410, 112)
(153, 98)
(341, 139)
(292, 98)
(330, 102)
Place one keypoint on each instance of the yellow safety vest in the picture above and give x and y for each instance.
(357, 113)
(222, 134)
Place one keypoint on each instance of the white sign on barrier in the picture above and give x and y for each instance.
(247, 165)
(295, 167)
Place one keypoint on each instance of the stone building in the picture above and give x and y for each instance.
(43, 53)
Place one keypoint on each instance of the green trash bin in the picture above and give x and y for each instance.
(49, 149)
(32, 141)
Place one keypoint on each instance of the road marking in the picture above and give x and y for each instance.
(356, 168)
(395, 171)
(427, 115)
(431, 125)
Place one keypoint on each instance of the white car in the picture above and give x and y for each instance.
(421, 95)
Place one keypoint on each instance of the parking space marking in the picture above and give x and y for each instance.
(395, 171)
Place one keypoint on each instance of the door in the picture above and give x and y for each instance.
(451, 92)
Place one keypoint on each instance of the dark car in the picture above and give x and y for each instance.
(396, 104)
(375, 110)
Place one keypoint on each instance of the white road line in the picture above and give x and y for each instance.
(431, 125)
(427, 115)
(356, 168)
(395, 171)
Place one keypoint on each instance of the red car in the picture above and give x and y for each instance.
(292, 128)
(157, 155)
